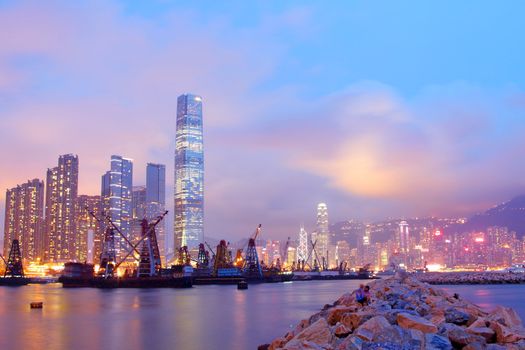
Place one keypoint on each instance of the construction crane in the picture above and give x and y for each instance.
(14, 267)
(148, 235)
(239, 261)
(314, 252)
(203, 258)
(149, 263)
(222, 258)
(108, 257)
(252, 267)
(184, 257)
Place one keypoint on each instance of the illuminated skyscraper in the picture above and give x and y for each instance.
(156, 201)
(89, 235)
(403, 238)
(322, 233)
(61, 197)
(24, 215)
(116, 197)
(189, 173)
(302, 248)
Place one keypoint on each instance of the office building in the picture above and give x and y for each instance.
(189, 173)
(24, 219)
(60, 210)
(116, 196)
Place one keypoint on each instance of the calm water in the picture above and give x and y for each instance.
(488, 296)
(204, 317)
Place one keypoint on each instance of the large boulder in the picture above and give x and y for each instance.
(355, 319)
(371, 328)
(415, 322)
(456, 316)
(506, 334)
(475, 346)
(437, 342)
(347, 299)
(351, 343)
(459, 335)
(341, 331)
(318, 333)
(395, 334)
(505, 315)
(277, 343)
(334, 314)
(485, 332)
(297, 344)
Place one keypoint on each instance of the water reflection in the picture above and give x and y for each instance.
(204, 317)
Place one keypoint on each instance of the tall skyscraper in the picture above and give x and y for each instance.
(117, 199)
(322, 233)
(403, 238)
(189, 173)
(302, 248)
(138, 210)
(89, 233)
(61, 197)
(24, 219)
(156, 201)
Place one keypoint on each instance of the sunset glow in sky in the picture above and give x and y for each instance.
(378, 109)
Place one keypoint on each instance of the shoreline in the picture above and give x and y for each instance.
(405, 314)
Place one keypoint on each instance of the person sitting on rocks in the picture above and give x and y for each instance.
(360, 294)
(367, 296)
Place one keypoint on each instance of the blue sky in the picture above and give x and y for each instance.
(377, 108)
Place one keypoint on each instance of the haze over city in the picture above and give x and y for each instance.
(302, 103)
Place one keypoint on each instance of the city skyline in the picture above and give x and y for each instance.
(304, 103)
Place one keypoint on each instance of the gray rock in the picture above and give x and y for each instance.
(351, 343)
(475, 346)
(388, 346)
(391, 315)
(455, 316)
(437, 342)
(459, 335)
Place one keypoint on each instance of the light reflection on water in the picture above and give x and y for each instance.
(204, 317)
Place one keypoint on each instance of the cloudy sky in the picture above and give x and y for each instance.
(378, 108)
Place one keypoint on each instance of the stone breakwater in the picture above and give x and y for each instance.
(487, 277)
(405, 314)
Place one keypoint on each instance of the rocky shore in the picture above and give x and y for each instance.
(406, 314)
(487, 277)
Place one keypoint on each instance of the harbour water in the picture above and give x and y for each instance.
(204, 317)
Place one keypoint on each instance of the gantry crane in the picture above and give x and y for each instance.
(252, 267)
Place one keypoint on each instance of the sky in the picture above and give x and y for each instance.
(379, 109)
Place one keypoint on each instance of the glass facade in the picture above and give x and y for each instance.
(156, 201)
(117, 199)
(322, 233)
(189, 173)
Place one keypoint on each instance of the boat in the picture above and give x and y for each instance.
(14, 281)
(78, 275)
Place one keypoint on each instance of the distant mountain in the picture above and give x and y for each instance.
(510, 214)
